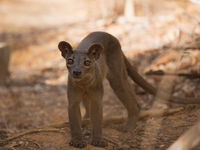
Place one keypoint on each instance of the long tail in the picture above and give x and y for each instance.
(137, 78)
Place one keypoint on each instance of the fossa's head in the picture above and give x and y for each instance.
(80, 64)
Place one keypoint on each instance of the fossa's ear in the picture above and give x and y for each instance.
(95, 51)
(65, 48)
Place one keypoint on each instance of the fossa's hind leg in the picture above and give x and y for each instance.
(86, 104)
(118, 79)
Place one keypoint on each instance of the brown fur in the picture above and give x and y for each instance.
(103, 53)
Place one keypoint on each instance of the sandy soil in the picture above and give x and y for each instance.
(35, 95)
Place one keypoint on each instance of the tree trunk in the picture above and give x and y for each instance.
(129, 10)
(4, 62)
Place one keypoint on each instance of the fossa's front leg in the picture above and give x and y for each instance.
(96, 115)
(74, 98)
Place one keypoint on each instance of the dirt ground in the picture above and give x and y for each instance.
(34, 97)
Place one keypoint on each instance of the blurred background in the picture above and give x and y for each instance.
(154, 34)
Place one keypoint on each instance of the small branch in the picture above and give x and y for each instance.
(159, 112)
(162, 73)
(34, 131)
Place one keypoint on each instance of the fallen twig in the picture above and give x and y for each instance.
(159, 112)
(192, 75)
(34, 131)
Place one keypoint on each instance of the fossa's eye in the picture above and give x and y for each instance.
(87, 63)
(70, 61)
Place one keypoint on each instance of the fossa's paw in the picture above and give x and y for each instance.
(78, 142)
(99, 142)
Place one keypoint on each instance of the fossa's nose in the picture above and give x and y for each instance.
(76, 73)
